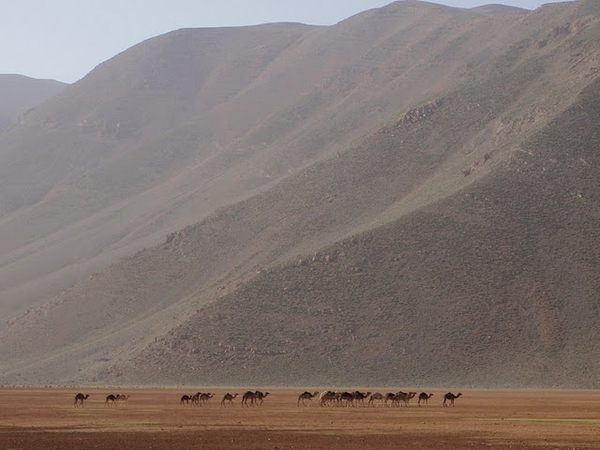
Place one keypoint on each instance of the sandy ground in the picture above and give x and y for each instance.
(155, 419)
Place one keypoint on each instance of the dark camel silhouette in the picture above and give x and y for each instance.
(403, 397)
(248, 396)
(259, 397)
(346, 398)
(196, 398)
(407, 398)
(228, 398)
(450, 397)
(359, 397)
(306, 396)
(185, 399)
(389, 397)
(79, 398)
(423, 397)
(110, 399)
(255, 398)
(204, 397)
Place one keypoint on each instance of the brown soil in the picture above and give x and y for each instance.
(154, 418)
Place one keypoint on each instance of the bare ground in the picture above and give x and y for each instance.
(155, 419)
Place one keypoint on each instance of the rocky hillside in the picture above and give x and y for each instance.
(406, 198)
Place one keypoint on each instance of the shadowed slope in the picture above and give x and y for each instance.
(494, 286)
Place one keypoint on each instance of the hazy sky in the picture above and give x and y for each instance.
(65, 39)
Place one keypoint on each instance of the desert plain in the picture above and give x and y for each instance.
(46, 418)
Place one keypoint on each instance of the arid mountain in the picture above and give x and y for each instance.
(408, 197)
(18, 94)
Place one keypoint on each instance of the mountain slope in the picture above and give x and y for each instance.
(496, 286)
(167, 132)
(109, 168)
(424, 248)
(20, 93)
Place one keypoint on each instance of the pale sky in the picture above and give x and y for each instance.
(65, 39)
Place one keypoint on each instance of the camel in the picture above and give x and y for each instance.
(185, 399)
(403, 397)
(451, 397)
(259, 397)
(359, 397)
(389, 397)
(423, 397)
(122, 397)
(376, 397)
(196, 398)
(328, 397)
(398, 397)
(110, 399)
(79, 398)
(346, 398)
(228, 398)
(248, 396)
(408, 397)
(205, 397)
(306, 396)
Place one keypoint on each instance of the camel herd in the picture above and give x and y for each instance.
(198, 399)
(329, 398)
(357, 398)
(326, 398)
